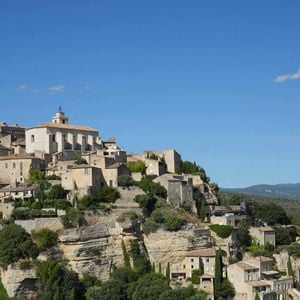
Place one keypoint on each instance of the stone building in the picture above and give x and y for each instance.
(202, 259)
(81, 179)
(61, 137)
(12, 136)
(263, 235)
(18, 191)
(179, 188)
(15, 168)
(158, 162)
(256, 276)
(226, 219)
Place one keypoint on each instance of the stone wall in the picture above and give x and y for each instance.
(40, 223)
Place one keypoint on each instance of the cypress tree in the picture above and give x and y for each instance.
(290, 268)
(126, 256)
(257, 297)
(159, 268)
(168, 274)
(218, 273)
(202, 212)
(153, 267)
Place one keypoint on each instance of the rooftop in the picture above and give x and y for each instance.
(204, 252)
(257, 283)
(246, 266)
(64, 126)
(18, 156)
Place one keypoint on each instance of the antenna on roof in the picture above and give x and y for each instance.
(60, 109)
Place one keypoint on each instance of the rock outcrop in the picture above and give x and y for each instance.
(96, 249)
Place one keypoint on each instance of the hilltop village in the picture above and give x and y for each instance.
(84, 219)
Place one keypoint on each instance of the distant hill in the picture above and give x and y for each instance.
(285, 190)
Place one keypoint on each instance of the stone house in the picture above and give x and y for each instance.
(226, 219)
(15, 168)
(12, 137)
(256, 276)
(263, 235)
(4, 151)
(18, 191)
(180, 189)
(81, 179)
(111, 169)
(201, 259)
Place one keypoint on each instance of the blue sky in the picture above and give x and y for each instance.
(216, 80)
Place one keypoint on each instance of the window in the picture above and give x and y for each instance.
(21, 166)
(32, 138)
(86, 171)
(184, 266)
(14, 165)
(192, 266)
(192, 259)
(6, 165)
(207, 259)
(53, 138)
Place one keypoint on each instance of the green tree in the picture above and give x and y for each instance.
(271, 213)
(57, 192)
(107, 194)
(282, 236)
(152, 188)
(141, 264)
(290, 267)
(147, 203)
(150, 287)
(45, 238)
(35, 176)
(202, 212)
(73, 218)
(196, 276)
(159, 268)
(257, 297)
(15, 244)
(227, 290)
(57, 282)
(150, 226)
(218, 273)
(243, 235)
(125, 181)
(126, 256)
(168, 274)
(222, 231)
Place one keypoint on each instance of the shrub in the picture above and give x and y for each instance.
(73, 218)
(45, 238)
(131, 215)
(53, 177)
(35, 176)
(25, 265)
(125, 181)
(81, 161)
(172, 221)
(57, 192)
(153, 188)
(222, 231)
(150, 226)
(146, 202)
(106, 194)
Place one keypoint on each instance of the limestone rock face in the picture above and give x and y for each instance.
(165, 246)
(95, 249)
(19, 282)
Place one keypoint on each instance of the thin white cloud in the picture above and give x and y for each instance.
(87, 88)
(53, 89)
(56, 89)
(23, 87)
(285, 77)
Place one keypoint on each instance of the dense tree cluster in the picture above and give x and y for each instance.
(223, 231)
(137, 167)
(271, 213)
(15, 243)
(188, 167)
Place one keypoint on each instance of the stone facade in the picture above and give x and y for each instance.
(59, 136)
(180, 190)
(263, 235)
(15, 168)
